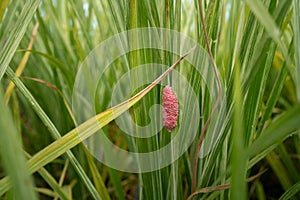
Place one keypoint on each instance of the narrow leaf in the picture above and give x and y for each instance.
(291, 192)
(16, 34)
(283, 127)
(22, 64)
(86, 129)
(12, 155)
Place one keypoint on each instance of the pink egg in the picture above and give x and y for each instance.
(170, 108)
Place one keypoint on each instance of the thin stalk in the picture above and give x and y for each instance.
(53, 130)
(222, 187)
(83, 131)
(204, 129)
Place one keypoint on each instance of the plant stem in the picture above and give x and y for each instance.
(204, 129)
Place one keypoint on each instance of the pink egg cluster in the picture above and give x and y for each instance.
(170, 108)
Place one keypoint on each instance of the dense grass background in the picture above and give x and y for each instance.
(256, 47)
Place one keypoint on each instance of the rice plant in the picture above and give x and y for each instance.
(150, 99)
